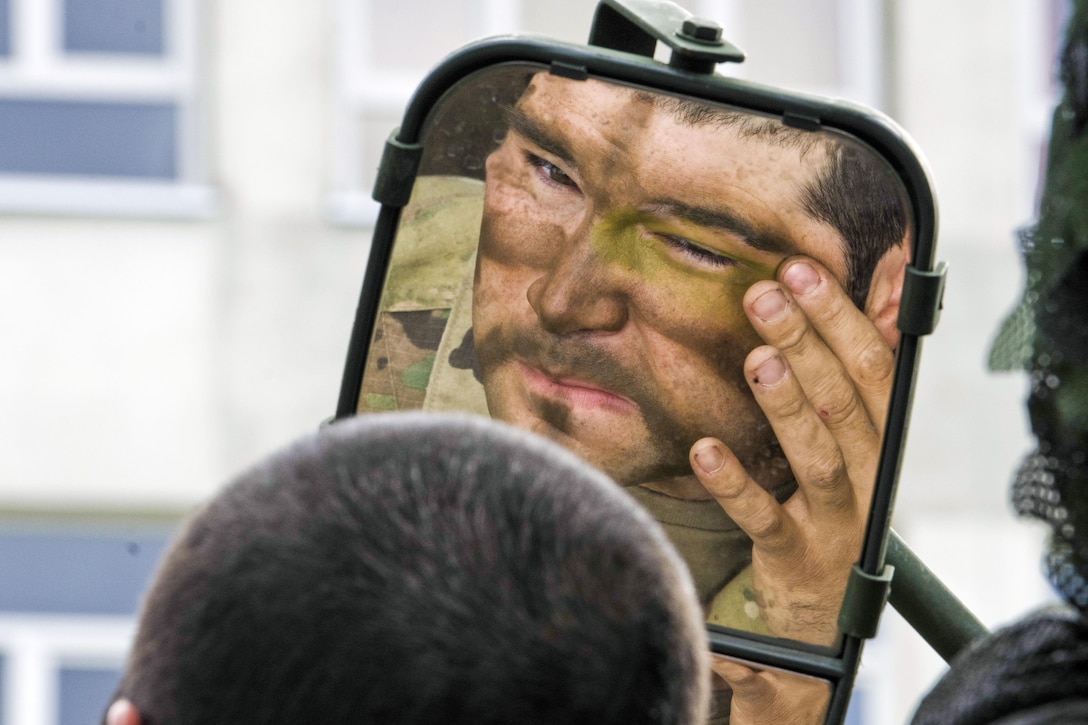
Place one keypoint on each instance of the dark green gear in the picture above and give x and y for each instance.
(1047, 333)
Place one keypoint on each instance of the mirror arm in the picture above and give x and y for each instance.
(928, 605)
(636, 26)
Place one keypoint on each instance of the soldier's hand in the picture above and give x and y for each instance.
(771, 697)
(823, 381)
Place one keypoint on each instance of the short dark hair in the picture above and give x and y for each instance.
(864, 202)
(415, 568)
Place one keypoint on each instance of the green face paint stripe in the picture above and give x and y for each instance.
(618, 240)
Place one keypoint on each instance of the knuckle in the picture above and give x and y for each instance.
(726, 487)
(825, 473)
(839, 406)
(786, 406)
(768, 527)
(793, 337)
(874, 366)
(828, 309)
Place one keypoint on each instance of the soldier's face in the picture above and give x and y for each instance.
(617, 244)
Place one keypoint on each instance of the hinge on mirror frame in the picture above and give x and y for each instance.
(568, 70)
(864, 600)
(801, 120)
(397, 171)
(922, 299)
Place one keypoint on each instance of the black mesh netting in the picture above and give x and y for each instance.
(1047, 333)
(1022, 670)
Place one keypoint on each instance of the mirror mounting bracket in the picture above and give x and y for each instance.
(397, 172)
(636, 26)
(922, 299)
(864, 600)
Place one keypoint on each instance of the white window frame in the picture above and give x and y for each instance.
(38, 67)
(37, 647)
(364, 88)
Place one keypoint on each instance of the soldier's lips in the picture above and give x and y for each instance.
(574, 392)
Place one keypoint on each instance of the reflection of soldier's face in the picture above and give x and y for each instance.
(616, 247)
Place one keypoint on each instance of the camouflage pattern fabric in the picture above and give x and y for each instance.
(433, 255)
(401, 360)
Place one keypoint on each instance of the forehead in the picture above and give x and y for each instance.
(646, 121)
(639, 145)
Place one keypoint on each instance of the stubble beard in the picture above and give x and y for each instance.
(661, 451)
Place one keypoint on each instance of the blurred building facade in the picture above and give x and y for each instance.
(183, 231)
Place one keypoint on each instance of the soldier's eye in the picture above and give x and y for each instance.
(694, 251)
(549, 171)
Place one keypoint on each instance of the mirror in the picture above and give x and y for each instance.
(788, 696)
(711, 290)
(573, 260)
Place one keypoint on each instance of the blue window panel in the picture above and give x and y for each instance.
(84, 694)
(113, 26)
(83, 138)
(53, 571)
(5, 45)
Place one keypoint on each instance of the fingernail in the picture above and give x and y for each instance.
(801, 278)
(710, 459)
(770, 306)
(770, 372)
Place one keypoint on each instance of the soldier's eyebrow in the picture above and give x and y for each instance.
(535, 132)
(727, 221)
(717, 218)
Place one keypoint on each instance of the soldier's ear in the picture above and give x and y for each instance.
(886, 291)
(123, 712)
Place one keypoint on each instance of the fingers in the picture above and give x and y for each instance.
(770, 696)
(844, 331)
(742, 679)
(816, 456)
(750, 506)
(841, 361)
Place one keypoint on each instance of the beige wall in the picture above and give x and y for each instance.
(144, 362)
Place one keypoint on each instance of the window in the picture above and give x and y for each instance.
(99, 108)
(385, 51)
(5, 30)
(66, 628)
(387, 48)
(114, 26)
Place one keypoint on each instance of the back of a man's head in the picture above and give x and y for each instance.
(414, 569)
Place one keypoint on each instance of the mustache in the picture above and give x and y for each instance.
(574, 355)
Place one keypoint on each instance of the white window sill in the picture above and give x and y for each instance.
(87, 197)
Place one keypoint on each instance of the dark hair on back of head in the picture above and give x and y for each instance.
(407, 568)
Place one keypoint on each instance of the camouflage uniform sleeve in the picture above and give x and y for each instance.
(435, 245)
